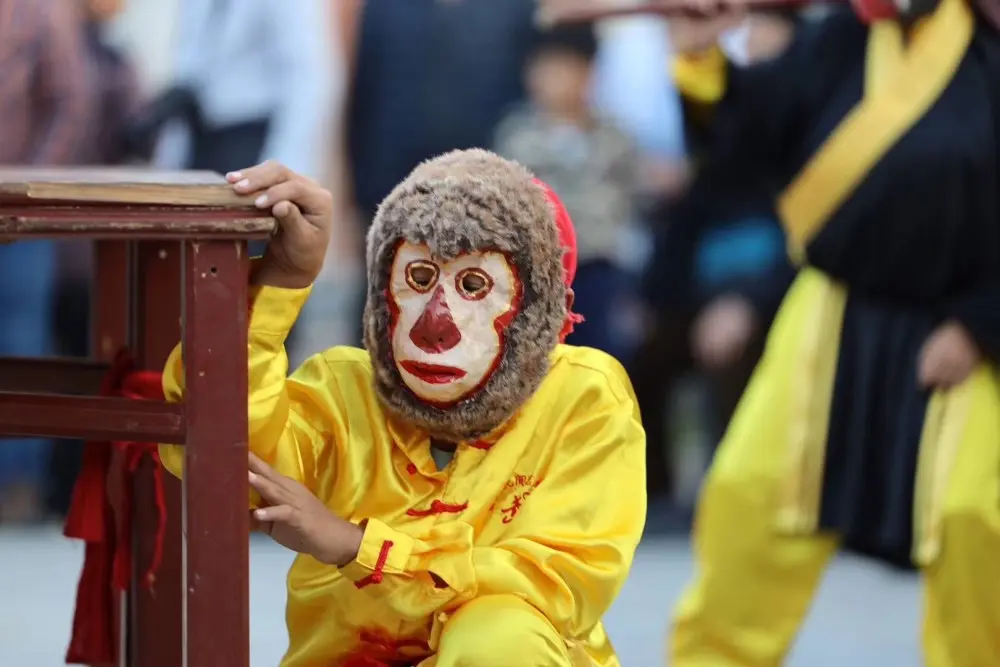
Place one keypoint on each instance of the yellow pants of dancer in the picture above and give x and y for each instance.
(499, 631)
(753, 584)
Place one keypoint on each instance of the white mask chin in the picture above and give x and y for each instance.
(447, 333)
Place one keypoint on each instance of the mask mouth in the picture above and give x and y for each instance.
(432, 373)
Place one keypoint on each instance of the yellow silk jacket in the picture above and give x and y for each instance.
(549, 508)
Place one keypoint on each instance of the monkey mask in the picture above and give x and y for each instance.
(470, 263)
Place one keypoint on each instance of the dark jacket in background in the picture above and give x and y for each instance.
(432, 76)
(722, 236)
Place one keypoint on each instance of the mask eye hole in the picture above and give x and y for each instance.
(473, 284)
(421, 275)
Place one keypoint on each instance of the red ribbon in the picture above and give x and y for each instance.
(107, 563)
(567, 238)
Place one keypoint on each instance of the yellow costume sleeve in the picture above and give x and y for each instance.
(567, 554)
(289, 416)
(701, 77)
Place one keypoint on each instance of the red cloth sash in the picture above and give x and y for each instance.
(107, 563)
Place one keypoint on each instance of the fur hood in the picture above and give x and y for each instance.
(461, 202)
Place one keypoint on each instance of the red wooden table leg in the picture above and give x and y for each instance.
(110, 331)
(216, 519)
(109, 310)
(155, 627)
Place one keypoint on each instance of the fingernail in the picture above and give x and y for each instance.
(260, 515)
(242, 185)
(234, 176)
(281, 209)
(261, 201)
(253, 477)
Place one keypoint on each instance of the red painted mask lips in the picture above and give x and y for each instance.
(432, 373)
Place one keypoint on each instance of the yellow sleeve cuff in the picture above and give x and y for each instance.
(701, 77)
(383, 551)
(273, 310)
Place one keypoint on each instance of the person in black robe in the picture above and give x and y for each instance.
(873, 420)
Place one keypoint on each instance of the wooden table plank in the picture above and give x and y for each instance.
(106, 175)
(140, 223)
(90, 418)
(136, 204)
(119, 186)
(51, 375)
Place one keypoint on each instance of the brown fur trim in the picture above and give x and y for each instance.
(460, 202)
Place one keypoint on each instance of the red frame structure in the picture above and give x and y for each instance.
(171, 264)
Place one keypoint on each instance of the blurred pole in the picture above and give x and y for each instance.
(691, 438)
(641, 98)
(325, 320)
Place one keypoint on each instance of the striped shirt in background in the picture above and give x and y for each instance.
(45, 109)
(115, 97)
(595, 170)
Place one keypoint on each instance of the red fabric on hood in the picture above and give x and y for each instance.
(567, 237)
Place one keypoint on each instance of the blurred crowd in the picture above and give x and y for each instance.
(677, 284)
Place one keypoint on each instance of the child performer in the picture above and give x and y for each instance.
(451, 488)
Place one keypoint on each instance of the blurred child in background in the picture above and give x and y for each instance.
(591, 165)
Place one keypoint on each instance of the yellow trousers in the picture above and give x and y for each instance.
(754, 584)
(499, 631)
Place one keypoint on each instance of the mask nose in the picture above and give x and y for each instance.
(434, 331)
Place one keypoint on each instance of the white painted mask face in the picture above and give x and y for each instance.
(449, 319)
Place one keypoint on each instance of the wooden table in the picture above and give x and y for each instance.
(171, 265)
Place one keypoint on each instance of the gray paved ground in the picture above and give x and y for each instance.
(864, 617)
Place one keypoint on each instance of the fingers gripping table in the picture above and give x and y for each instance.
(170, 264)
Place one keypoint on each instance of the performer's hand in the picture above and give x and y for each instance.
(666, 179)
(298, 520)
(722, 331)
(948, 357)
(705, 22)
(304, 211)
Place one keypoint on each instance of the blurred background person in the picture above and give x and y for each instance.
(45, 115)
(717, 275)
(590, 163)
(253, 80)
(646, 106)
(44, 86)
(327, 317)
(115, 104)
(639, 99)
(429, 76)
(115, 94)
